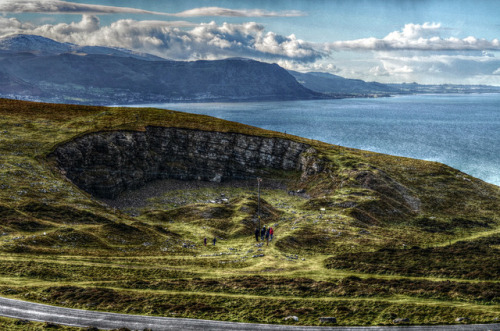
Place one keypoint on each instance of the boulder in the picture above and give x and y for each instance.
(291, 317)
(328, 320)
(401, 320)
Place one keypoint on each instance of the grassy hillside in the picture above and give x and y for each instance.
(369, 239)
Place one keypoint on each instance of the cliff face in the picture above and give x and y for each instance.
(107, 163)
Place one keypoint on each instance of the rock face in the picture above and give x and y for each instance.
(107, 163)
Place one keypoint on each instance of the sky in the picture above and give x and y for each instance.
(389, 41)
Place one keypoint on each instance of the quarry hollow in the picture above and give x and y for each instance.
(105, 164)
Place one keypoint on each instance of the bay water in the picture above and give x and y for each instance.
(462, 131)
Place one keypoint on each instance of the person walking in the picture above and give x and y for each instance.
(214, 241)
(257, 232)
(271, 233)
(205, 241)
(267, 236)
(262, 232)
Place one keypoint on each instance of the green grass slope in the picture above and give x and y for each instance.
(370, 238)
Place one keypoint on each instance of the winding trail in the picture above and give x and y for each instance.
(85, 318)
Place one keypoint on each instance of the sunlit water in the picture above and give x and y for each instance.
(462, 131)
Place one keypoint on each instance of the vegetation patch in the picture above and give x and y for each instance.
(254, 309)
(15, 221)
(62, 214)
(351, 287)
(22, 325)
(438, 225)
(469, 260)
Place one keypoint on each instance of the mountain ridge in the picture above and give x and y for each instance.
(40, 69)
(40, 46)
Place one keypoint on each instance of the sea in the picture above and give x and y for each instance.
(460, 130)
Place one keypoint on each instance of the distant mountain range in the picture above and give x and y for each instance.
(414, 88)
(336, 86)
(37, 68)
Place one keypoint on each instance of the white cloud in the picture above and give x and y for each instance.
(440, 68)
(65, 7)
(307, 67)
(378, 71)
(387, 69)
(415, 31)
(176, 40)
(55, 6)
(401, 69)
(420, 37)
(217, 11)
(424, 53)
(13, 25)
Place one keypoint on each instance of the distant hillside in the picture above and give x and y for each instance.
(37, 68)
(414, 88)
(338, 86)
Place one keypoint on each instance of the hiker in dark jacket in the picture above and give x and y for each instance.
(257, 234)
(267, 237)
(262, 232)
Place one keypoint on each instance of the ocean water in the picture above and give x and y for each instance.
(462, 131)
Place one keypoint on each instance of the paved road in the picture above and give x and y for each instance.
(85, 318)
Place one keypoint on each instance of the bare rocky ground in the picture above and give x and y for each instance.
(132, 200)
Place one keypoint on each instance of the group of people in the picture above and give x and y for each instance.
(213, 241)
(266, 233)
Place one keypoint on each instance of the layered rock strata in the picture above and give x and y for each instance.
(107, 163)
